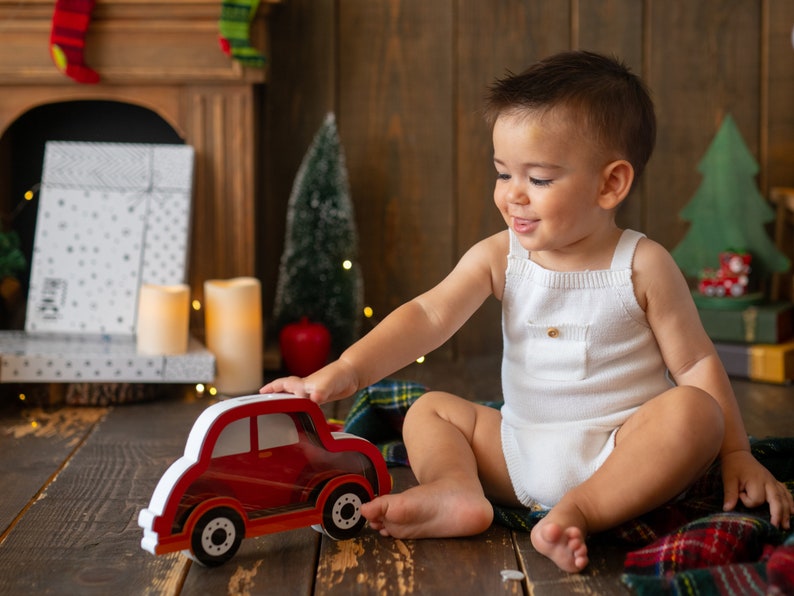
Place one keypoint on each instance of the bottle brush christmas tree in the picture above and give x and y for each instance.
(727, 212)
(319, 275)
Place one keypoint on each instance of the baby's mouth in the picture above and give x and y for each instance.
(525, 226)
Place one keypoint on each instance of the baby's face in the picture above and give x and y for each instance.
(548, 179)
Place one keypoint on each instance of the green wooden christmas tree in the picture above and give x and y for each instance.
(319, 274)
(727, 211)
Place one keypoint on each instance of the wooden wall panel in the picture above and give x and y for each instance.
(492, 38)
(615, 27)
(704, 63)
(407, 78)
(777, 87)
(302, 87)
(396, 124)
(777, 109)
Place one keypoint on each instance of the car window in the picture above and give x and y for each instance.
(276, 430)
(234, 439)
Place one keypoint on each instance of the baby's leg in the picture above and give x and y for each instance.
(455, 452)
(662, 449)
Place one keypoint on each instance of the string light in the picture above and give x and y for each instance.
(27, 196)
(368, 312)
(347, 264)
(22, 397)
(420, 360)
(196, 304)
(200, 388)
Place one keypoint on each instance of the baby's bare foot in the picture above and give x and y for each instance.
(566, 547)
(434, 510)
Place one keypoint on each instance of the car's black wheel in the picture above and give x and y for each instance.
(217, 536)
(342, 517)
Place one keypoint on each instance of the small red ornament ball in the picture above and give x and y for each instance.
(305, 347)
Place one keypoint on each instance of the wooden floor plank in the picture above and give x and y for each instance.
(767, 409)
(35, 443)
(280, 564)
(600, 578)
(81, 535)
(374, 565)
(80, 476)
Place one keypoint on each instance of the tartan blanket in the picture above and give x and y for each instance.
(686, 547)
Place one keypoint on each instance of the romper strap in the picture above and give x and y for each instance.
(624, 251)
(516, 250)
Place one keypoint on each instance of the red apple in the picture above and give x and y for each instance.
(305, 347)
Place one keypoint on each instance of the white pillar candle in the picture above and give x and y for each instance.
(163, 319)
(233, 325)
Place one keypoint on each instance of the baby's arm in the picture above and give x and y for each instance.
(692, 360)
(412, 330)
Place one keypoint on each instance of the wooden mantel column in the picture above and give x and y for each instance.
(219, 124)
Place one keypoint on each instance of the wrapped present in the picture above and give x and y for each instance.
(77, 358)
(770, 363)
(763, 323)
(111, 217)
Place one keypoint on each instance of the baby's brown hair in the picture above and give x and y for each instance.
(612, 103)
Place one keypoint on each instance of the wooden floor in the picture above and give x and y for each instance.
(75, 478)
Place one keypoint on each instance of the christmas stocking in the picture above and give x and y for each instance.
(67, 39)
(234, 27)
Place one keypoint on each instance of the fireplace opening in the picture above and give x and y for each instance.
(21, 161)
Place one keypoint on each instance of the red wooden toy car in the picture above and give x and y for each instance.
(256, 465)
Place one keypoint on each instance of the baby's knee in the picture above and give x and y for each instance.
(433, 405)
(428, 404)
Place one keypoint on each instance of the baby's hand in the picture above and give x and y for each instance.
(294, 385)
(745, 479)
(330, 383)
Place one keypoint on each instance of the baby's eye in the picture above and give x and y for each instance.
(502, 176)
(539, 182)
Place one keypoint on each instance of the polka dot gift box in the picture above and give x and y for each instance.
(111, 216)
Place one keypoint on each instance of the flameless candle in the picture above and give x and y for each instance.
(233, 325)
(163, 319)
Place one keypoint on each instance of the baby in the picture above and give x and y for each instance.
(615, 400)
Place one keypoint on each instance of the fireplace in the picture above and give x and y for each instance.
(162, 57)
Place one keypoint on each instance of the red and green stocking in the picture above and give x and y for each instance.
(234, 27)
(67, 38)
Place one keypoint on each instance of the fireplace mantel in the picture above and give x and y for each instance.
(163, 56)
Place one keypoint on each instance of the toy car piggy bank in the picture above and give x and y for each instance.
(256, 465)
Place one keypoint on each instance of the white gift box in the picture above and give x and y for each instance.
(74, 358)
(111, 216)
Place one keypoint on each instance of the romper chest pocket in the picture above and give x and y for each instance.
(557, 352)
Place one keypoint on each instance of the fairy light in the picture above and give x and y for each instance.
(27, 197)
(420, 360)
(196, 304)
(200, 388)
(347, 264)
(22, 397)
(213, 391)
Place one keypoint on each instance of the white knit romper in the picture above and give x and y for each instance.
(579, 358)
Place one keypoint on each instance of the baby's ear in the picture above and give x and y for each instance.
(617, 177)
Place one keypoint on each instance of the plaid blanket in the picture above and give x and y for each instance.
(685, 547)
